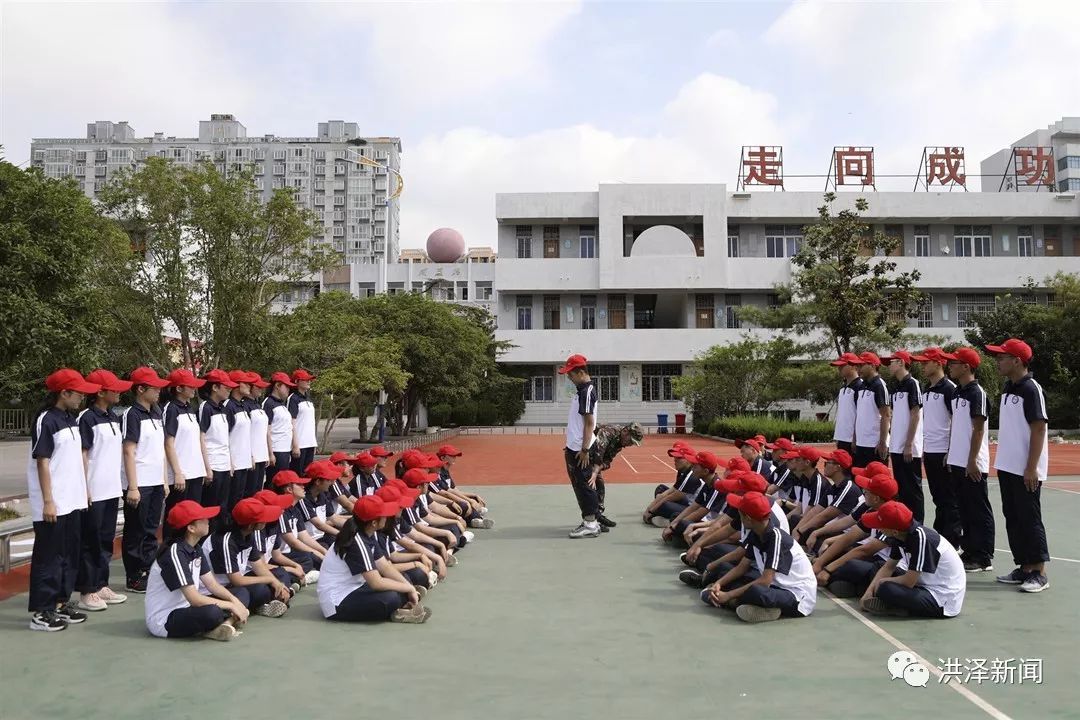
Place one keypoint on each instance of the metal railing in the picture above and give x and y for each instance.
(17, 541)
(652, 429)
(14, 422)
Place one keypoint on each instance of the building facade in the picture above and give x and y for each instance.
(1063, 136)
(642, 278)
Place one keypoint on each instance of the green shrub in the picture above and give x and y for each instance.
(740, 427)
(464, 414)
(487, 413)
(701, 427)
(439, 415)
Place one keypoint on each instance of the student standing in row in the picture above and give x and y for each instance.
(260, 434)
(215, 424)
(906, 436)
(303, 413)
(56, 482)
(102, 447)
(143, 473)
(185, 450)
(969, 461)
(846, 401)
(580, 425)
(872, 414)
(937, 427)
(281, 424)
(1021, 465)
(236, 407)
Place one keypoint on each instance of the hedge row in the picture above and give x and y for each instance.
(741, 427)
(464, 414)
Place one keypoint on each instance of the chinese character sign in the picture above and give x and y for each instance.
(853, 166)
(1035, 165)
(945, 166)
(763, 165)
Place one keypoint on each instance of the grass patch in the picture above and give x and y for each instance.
(741, 427)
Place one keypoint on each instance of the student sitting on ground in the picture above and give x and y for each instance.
(300, 546)
(804, 485)
(424, 521)
(841, 496)
(444, 491)
(714, 527)
(478, 503)
(781, 473)
(435, 515)
(228, 552)
(267, 544)
(358, 582)
(382, 459)
(414, 566)
(670, 501)
(704, 465)
(935, 582)
(783, 585)
(175, 605)
(752, 451)
(411, 539)
(364, 480)
(316, 509)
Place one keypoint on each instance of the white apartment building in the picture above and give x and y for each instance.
(350, 199)
(1063, 136)
(642, 278)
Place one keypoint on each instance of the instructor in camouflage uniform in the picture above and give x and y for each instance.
(610, 440)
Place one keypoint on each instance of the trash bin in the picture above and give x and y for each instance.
(661, 424)
(680, 423)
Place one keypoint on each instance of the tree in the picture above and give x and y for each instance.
(216, 255)
(839, 288)
(66, 298)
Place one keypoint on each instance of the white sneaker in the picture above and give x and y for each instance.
(110, 597)
(92, 602)
(223, 633)
(272, 609)
(433, 579)
(312, 577)
(469, 536)
(483, 511)
(482, 523)
(586, 530)
(660, 522)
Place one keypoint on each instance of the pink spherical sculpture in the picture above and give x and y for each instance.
(445, 245)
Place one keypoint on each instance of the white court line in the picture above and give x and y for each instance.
(934, 669)
(672, 467)
(1003, 550)
(628, 463)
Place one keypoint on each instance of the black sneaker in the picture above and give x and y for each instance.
(70, 614)
(1016, 577)
(604, 528)
(47, 621)
(136, 586)
(691, 577)
(977, 566)
(605, 521)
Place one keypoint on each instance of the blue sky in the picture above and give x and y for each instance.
(515, 96)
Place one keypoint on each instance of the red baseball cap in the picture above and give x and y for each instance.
(219, 377)
(402, 497)
(269, 497)
(365, 460)
(752, 504)
(182, 377)
(449, 451)
(903, 355)
(969, 356)
(240, 376)
(706, 460)
(320, 470)
(751, 442)
(420, 460)
(339, 456)
(742, 482)
(847, 358)
(931, 354)
(283, 378)
(1013, 346)
(147, 376)
(186, 512)
(398, 483)
(573, 363)
(806, 452)
(781, 443)
(883, 485)
(683, 451)
(250, 511)
(108, 381)
(257, 381)
(737, 464)
(869, 358)
(370, 507)
(288, 477)
(417, 477)
(840, 457)
(301, 374)
(892, 515)
(380, 452)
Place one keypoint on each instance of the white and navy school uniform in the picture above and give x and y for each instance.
(302, 410)
(229, 551)
(844, 425)
(1022, 404)
(794, 585)
(388, 538)
(168, 613)
(215, 424)
(808, 492)
(363, 484)
(861, 572)
(335, 491)
(976, 515)
(260, 451)
(292, 522)
(344, 594)
(280, 425)
(905, 398)
(937, 427)
(144, 428)
(54, 565)
(942, 584)
(263, 544)
(584, 402)
(314, 507)
(239, 450)
(182, 425)
(762, 467)
(101, 439)
(871, 398)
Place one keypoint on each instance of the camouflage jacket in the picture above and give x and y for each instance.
(606, 446)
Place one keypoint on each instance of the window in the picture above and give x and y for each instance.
(616, 312)
(706, 312)
(783, 240)
(483, 291)
(279, 154)
(540, 388)
(524, 241)
(1069, 161)
(656, 382)
(587, 235)
(972, 240)
(607, 381)
(1068, 184)
(922, 241)
(551, 312)
(99, 171)
(733, 241)
(1024, 243)
(774, 246)
(895, 234)
(524, 312)
(588, 312)
(970, 304)
(733, 303)
(551, 241)
(279, 168)
(925, 318)
(339, 199)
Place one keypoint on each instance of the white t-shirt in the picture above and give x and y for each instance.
(583, 403)
(937, 416)
(101, 440)
(906, 398)
(844, 430)
(1022, 404)
(969, 402)
(792, 571)
(303, 411)
(178, 567)
(260, 453)
(871, 398)
(939, 566)
(55, 435)
(340, 576)
(146, 429)
(281, 429)
(239, 434)
(215, 422)
(182, 424)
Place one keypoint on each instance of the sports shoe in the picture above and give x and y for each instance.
(754, 614)
(605, 521)
(585, 530)
(974, 566)
(312, 577)
(137, 586)
(47, 621)
(479, 523)
(1035, 582)
(604, 529)
(451, 560)
(92, 602)
(421, 591)
(294, 588)
(272, 609)
(433, 579)
(483, 511)
(1016, 577)
(691, 578)
(843, 589)
(413, 616)
(876, 606)
(682, 558)
(469, 536)
(110, 597)
(69, 613)
(223, 632)
(660, 522)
